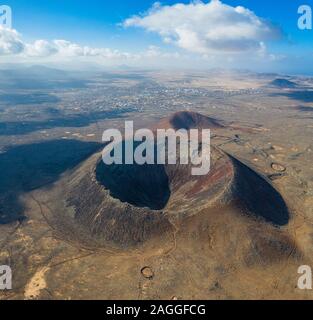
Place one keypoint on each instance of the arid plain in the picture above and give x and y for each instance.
(219, 252)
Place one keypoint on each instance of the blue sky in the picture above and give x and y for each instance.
(97, 24)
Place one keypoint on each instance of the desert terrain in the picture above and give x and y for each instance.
(64, 241)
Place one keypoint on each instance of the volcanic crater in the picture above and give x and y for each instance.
(129, 204)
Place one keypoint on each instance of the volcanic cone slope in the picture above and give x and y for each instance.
(128, 204)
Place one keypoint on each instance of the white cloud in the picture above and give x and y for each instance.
(208, 29)
(64, 48)
(40, 48)
(205, 27)
(10, 42)
(68, 49)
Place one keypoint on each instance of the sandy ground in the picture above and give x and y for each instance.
(220, 253)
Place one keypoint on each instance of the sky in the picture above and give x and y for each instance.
(241, 34)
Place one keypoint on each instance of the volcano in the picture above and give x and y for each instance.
(189, 120)
(129, 204)
(283, 83)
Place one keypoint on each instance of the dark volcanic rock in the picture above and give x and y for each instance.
(189, 120)
(139, 185)
(129, 204)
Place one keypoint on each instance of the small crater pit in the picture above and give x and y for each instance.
(147, 273)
